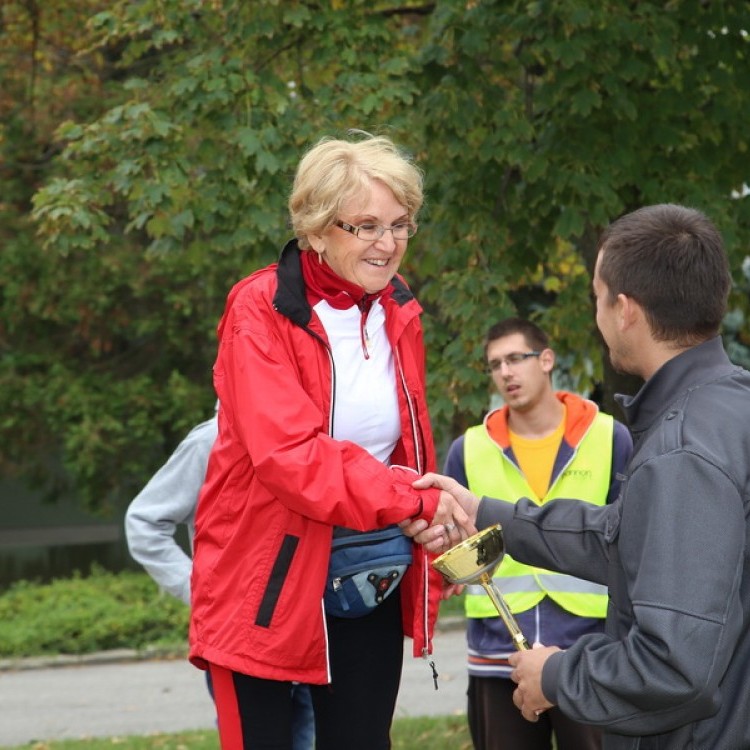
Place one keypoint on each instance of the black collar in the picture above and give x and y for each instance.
(290, 299)
(695, 366)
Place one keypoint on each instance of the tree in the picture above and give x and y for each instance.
(543, 122)
(536, 124)
(162, 202)
(46, 77)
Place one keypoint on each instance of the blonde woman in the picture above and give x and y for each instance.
(323, 427)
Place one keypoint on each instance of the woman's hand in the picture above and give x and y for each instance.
(454, 519)
(451, 589)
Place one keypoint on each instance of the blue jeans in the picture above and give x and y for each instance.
(303, 720)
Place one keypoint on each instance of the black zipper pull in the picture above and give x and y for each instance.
(434, 674)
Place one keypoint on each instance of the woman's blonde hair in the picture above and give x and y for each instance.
(335, 171)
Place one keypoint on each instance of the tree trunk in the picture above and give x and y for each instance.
(616, 382)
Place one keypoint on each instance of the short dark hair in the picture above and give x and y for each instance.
(671, 260)
(534, 336)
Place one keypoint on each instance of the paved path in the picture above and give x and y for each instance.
(169, 695)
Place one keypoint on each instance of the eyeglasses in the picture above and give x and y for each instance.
(372, 232)
(511, 360)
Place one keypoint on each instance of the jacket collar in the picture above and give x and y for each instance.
(290, 299)
(579, 414)
(687, 370)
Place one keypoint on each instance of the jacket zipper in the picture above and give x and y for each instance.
(418, 448)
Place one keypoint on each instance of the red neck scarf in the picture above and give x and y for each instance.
(322, 283)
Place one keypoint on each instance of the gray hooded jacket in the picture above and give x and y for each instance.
(167, 501)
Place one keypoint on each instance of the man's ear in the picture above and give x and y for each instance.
(629, 312)
(547, 360)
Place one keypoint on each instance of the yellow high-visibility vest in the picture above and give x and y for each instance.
(586, 477)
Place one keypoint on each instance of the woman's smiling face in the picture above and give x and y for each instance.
(370, 264)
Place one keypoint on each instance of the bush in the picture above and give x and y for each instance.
(82, 615)
(99, 612)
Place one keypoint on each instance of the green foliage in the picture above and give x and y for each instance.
(100, 611)
(736, 329)
(541, 123)
(155, 207)
(156, 174)
(83, 615)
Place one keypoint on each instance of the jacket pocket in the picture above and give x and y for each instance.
(276, 580)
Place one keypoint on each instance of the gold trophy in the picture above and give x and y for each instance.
(474, 561)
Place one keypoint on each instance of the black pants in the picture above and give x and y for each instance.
(496, 724)
(353, 712)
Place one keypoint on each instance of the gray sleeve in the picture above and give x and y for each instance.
(679, 544)
(569, 536)
(168, 500)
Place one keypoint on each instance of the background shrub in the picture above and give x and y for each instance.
(81, 615)
(100, 611)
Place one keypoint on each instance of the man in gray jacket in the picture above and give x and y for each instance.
(169, 500)
(671, 670)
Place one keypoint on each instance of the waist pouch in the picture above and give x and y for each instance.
(365, 568)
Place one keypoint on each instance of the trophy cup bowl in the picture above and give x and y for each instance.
(473, 561)
(468, 560)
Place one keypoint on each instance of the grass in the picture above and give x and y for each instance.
(435, 733)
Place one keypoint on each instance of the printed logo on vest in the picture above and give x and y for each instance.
(578, 473)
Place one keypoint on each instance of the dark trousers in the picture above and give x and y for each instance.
(496, 724)
(354, 711)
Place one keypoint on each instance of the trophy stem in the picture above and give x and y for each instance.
(519, 640)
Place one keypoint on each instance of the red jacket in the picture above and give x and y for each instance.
(277, 483)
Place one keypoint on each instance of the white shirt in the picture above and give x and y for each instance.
(366, 402)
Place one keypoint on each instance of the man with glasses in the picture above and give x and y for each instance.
(541, 444)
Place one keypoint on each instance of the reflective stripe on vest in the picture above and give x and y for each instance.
(587, 476)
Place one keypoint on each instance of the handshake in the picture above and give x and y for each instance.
(455, 517)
